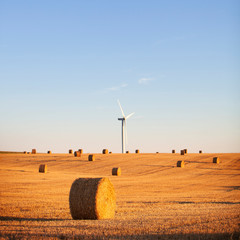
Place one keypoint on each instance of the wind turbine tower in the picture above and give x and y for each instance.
(123, 119)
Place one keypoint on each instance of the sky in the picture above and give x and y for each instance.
(64, 65)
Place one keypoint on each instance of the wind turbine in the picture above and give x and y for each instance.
(123, 119)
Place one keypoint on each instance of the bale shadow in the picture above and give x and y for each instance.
(190, 202)
(141, 236)
(14, 170)
(7, 218)
(164, 167)
(231, 188)
(187, 161)
(217, 168)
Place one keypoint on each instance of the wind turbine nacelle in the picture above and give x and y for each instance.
(121, 119)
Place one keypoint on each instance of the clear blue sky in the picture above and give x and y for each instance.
(64, 64)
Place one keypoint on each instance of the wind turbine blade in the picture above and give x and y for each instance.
(121, 109)
(128, 116)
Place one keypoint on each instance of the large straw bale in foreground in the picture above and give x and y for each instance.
(77, 154)
(216, 160)
(105, 151)
(180, 164)
(43, 168)
(91, 157)
(34, 151)
(116, 171)
(92, 198)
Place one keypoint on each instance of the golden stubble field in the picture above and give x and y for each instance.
(155, 199)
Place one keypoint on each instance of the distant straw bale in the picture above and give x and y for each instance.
(180, 164)
(185, 151)
(49, 152)
(157, 152)
(116, 171)
(43, 168)
(173, 151)
(70, 151)
(77, 154)
(127, 151)
(200, 151)
(137, 151)
(25, 152)
(92, 198)
(110, 152)
(105, 151)
(91, 157)
(182, 152)
(34, 151)
(80, 150)
(28, 152)
(216, 160)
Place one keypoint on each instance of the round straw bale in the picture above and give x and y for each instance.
(180, 164)
(34, 151)
(25, 152)
(173, 151)
(137, 151)
(182, 152)
(28, 153)
(49, 152)
(157, 152)
(92, 198)
(110, 152)
(70, 151)
(105, 151)
(116, 171)
(77, 154)
(216, 160)
(185, 151)
(127, 151)
(80, 150)
(91, 157)
(43, 168)
(200, 151)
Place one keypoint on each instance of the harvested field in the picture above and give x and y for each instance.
(154, 199)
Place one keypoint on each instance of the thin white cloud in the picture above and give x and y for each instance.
(117, 88)
(124, 85)
(144, 80)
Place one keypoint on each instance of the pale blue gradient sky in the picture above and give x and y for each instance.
(64, 64)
